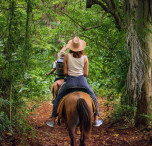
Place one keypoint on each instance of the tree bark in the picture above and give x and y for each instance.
(27, 23)
(143, 103)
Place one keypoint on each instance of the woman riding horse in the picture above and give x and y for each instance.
(76, 69)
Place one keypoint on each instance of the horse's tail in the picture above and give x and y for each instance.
(85, 116)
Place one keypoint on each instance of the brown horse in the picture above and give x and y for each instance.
(78, 111)
(56, 87)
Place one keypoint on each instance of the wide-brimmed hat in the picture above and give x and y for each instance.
(76, 44)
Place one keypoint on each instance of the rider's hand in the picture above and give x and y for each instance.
(65, 78)
(48, 74)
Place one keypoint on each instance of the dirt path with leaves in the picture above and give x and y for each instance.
(104, 135)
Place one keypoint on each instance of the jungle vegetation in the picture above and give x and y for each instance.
(119, 46)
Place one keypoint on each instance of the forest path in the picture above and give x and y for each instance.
(100, 136)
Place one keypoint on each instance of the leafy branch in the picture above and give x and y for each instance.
(109, 7)
(85, 28)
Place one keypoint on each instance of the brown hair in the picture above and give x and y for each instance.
(77, 54)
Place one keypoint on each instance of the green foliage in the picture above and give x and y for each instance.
(124, 113)
(4, 120)
(23, 61)
(20, 121)
(28, 48)
(3, 102)
(149, 118)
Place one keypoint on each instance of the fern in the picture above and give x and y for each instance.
(3, 101)
(4, 122)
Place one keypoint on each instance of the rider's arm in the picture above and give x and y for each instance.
(51, 72)
(65, 64)
(86, 66)
(53, 69)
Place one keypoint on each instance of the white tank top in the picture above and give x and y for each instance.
(75, 65)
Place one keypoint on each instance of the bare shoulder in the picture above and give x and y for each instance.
(85, 58)
(65, 56)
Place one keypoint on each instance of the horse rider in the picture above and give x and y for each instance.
(59, 79)
(75, 69)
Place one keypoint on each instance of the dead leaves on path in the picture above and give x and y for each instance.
(102, 135)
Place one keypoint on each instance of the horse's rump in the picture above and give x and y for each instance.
(71, 101)
(79, 110)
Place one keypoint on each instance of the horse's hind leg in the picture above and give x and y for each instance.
(82, 138)
(82, 143)
(72, 135)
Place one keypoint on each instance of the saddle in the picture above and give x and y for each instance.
(70, 90)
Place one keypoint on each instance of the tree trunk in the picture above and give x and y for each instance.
(143, 103)
(7, 80)
(27, 23)
(26, 49)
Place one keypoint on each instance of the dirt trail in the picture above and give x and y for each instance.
(100, 136)
(58, 136)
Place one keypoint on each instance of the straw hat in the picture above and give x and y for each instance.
(76, 44)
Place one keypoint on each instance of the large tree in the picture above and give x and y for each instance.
(134, 16)
(143, 17)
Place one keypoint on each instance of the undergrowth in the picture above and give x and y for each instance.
(17, 122)
(124, 114)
